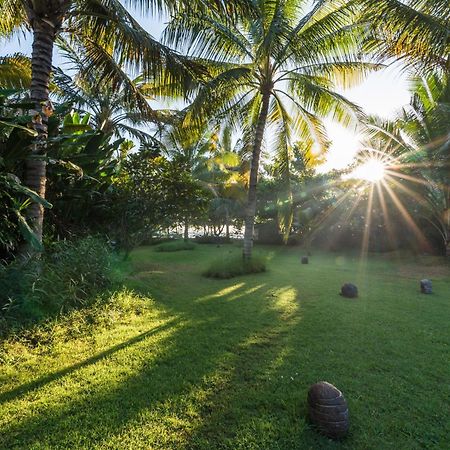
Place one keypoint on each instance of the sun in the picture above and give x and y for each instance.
(372, 170)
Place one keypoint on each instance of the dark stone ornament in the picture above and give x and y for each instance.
(328, 410)
(349, 290)
(305, 260)
(426, 286)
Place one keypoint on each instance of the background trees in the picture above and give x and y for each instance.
(277, 70)
(261, 77)
(110, 38)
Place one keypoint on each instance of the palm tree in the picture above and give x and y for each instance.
(110, 38)
(426, 123)
(275, 70)
(416, 31)
(109, 105)
(15, 72)
(416, 150)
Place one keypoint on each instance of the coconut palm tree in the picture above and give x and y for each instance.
(108, 104)
(274, 71)
(426, 123)
(416, 150)
(110, 38)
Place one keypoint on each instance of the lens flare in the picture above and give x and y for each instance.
(372, 170)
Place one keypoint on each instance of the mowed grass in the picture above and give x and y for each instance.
(201, 363)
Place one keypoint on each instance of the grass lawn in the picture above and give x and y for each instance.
(199, 363)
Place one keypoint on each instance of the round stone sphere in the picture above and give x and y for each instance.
(305, 260)
(349, 290)
(328, 410)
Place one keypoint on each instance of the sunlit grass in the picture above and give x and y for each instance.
(197, 363)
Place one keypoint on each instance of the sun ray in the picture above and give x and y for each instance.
(407, 217)
(327, 213)
(386, 215)
(414, 179)
(407, 190)
(367, 226)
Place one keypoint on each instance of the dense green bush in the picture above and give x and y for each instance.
(175, 246)
(67, 276)
(234, 266)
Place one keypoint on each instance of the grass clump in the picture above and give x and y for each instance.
(67, 276)
(175, 246)
(234, 266)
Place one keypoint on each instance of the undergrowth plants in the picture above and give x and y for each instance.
(67, 276)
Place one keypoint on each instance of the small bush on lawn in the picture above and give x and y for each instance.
(67, 276)
(175, 246)
(235, 266)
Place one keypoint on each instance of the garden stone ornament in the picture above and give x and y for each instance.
(328, 410)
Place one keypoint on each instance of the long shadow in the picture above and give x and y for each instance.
(191, 353)
(40, 382)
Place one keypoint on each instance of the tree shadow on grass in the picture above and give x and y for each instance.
(139, 410)
(41, 382)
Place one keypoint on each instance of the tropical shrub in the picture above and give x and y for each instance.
(234, 266)
(67, 276)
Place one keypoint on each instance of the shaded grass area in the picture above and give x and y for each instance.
(226, 364)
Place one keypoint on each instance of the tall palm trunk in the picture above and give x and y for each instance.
(186, 230)
(254, 168)
(45, 22)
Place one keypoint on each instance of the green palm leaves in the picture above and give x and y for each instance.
(274, 72)
(414, 30)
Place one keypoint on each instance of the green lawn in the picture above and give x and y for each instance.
(200, 363)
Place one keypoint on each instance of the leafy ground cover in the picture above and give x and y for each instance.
(180, 361)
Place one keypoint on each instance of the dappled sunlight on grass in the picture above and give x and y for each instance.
(222, 292)
(249, 291)
(227, 363)
(72, 385)
(284, 301)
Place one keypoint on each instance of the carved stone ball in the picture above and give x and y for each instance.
(426, 286)
(349, 290)
(305, 260)
(328, 410)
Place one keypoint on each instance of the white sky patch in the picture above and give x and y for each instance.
(345, 144)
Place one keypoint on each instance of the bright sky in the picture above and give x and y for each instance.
(383, 93)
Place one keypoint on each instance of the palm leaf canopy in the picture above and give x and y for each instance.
(414, 30)
(111, 42)
(298, 53)
(15, 72)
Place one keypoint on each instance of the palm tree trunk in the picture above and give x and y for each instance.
(254, 168)
(45, 30)
(186, 230)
